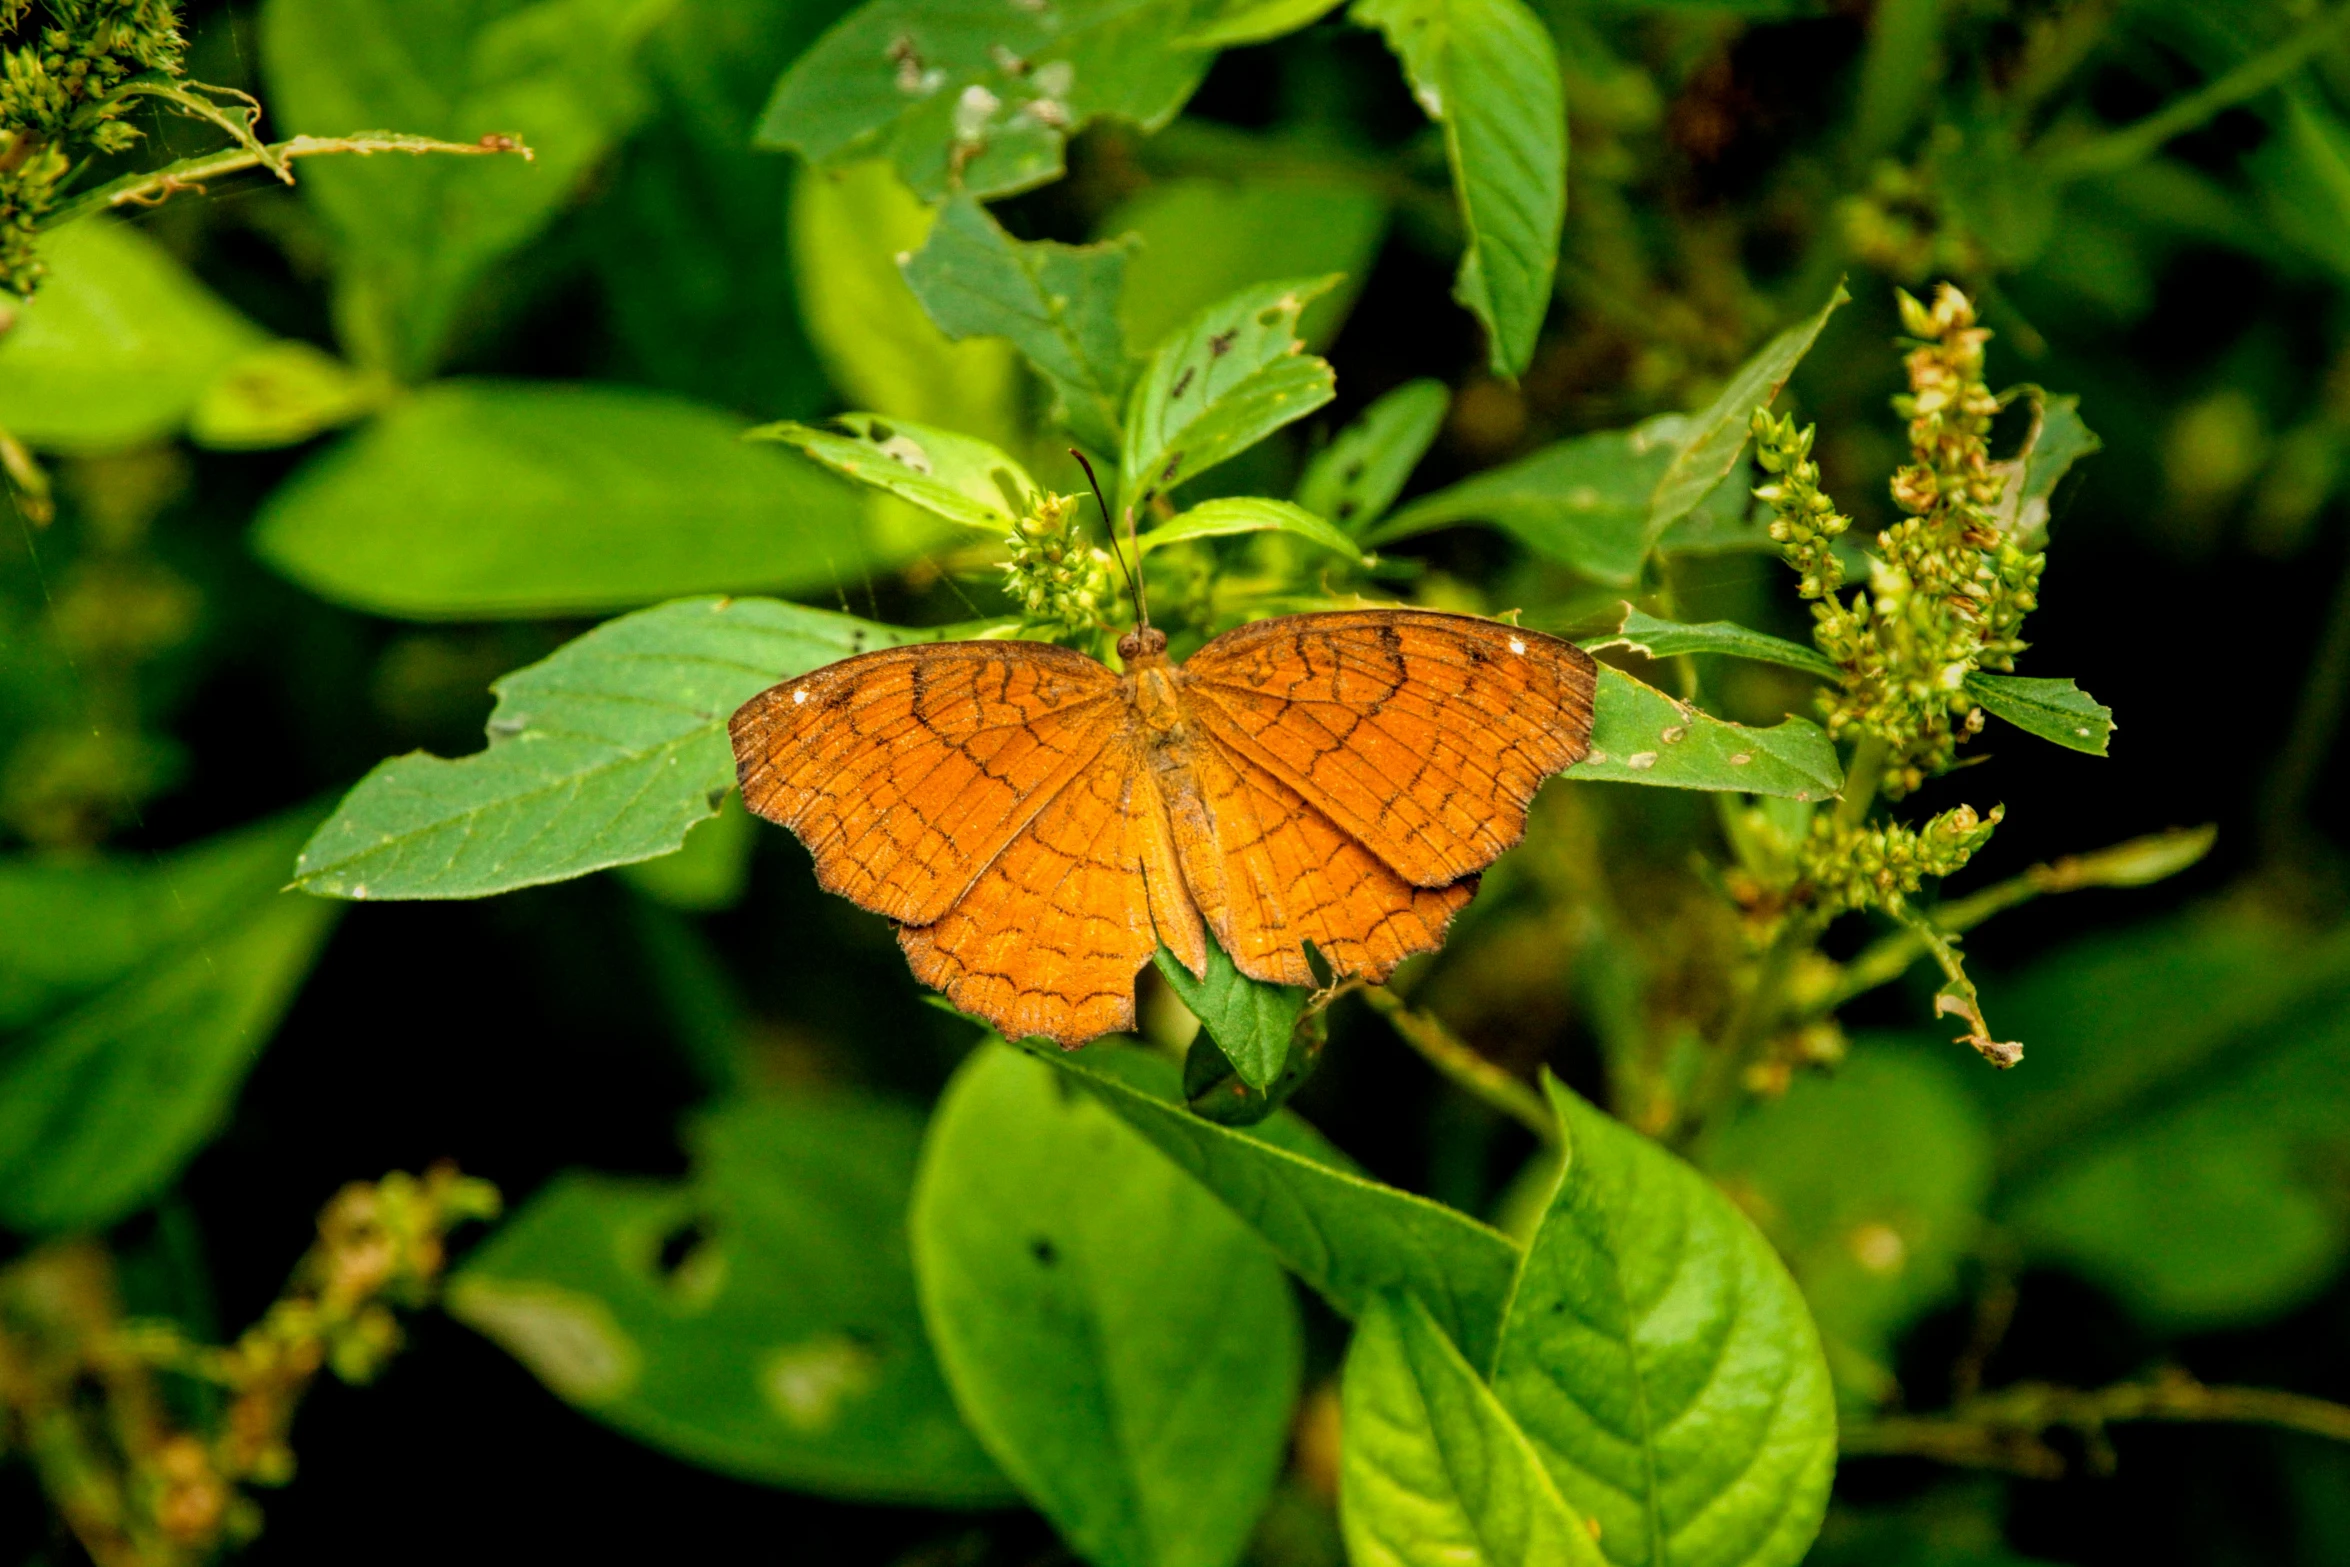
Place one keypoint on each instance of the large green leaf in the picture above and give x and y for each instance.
(1201, 238)
(2189, 1092)
(1640, 735)
(979, 95)
(758, 1319)
(958, 477)
(1583, 502)
(139, 996)
(1229, 377)
(117, 348)
(1354, 479)
(418, 233)
(1057, 304)
(1663, 1363)
(1341, 1232)
(1488, 72)
(1717, 433)
(1871, 1182)
(848, 229)
(605, 753)
(2055, 710)
(1125, 1349)
(1434, 1473)
(1250, 1021)
(1644, 633)
(479, 499)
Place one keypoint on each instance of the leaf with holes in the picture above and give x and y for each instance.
(1663, 1363)
(959, 477)
(1058, 304)
(758, 1319)
(1433, 1471)
(605, 753)
(1125, 1348)
(980, 95)
(1640, 735)
(1231, 376)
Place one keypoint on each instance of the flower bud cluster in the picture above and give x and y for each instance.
(58, 104)
(1056, 578)
(1948, 589)
(1862, 866)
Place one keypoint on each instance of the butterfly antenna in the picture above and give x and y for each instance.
(1142, 614)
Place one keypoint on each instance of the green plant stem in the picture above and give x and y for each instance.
(1751, 1024)
(158, 185)
(1450, 1055)
(2133, 864)
(1860, 780)
(2007, 1430)
(2117, 150)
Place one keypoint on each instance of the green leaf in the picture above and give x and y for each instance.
(758, 1319)
(1125, 1349)
(848, 229)
(1345, 1235)
(605, 753)
(1057, 304)
(1433, 1472)
(1250, 1021)
(2063, 440)
(1354, 479)
(143, 994)
(1227, 515)
(978, 95)
(710, 872)
(1231, 376)
(1487, 71)
(417, 234)
(1645, 633)
(1726, 521)
(281, 394)
(481, 499)
(1203, 238)
(1582, 502)
(1663, 1363)
(2055, 710)
(1718, 433)
(1640, 735)
(2189, 1095)
(958, 477)
(1871, 1183)
(117, 348)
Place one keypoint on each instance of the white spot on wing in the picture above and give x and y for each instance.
(798, 698)
(1517, 644)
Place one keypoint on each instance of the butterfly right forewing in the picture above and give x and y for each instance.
(1422, 736)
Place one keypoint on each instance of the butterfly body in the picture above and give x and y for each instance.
(1037, 824)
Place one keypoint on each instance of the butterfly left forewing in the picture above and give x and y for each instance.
(1421, 736)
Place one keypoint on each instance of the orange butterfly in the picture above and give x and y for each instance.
(1038, 824)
